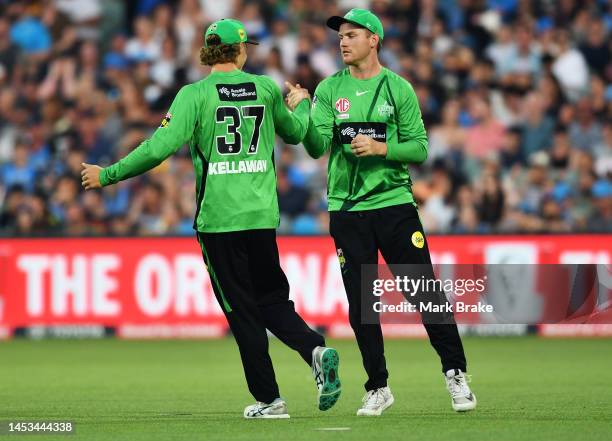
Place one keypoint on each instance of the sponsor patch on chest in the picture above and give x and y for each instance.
(343, 105)
(376, 131)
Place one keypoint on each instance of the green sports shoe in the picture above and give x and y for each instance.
(325, 363)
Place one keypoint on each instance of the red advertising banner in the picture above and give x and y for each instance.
(159, 287)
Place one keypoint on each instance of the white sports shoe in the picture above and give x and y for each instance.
(325, 363)
(462, 397)
(376, 401)
(276, 409)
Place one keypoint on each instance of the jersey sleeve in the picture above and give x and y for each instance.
(291, 126)
(321, 125)
(411, 145)
(175, 130)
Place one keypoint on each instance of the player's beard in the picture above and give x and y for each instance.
(355, 58)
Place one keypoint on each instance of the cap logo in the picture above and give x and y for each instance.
(242, 34)
(212, 27)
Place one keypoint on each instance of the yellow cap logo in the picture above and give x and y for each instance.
(418, 240)
(242, 34)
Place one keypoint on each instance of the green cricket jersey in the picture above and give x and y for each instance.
(228, 119)
(385, 108)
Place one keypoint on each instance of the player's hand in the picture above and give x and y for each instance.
(363, 145)
(90, 176)
(296, 95)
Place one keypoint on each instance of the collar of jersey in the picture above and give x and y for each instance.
(230, 73)
(367, 80)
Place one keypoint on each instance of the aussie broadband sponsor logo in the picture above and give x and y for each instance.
(237, 92)
(233, 167)
(348, 131)
(376, 131)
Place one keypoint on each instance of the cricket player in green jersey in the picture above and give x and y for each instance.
(229, 120)
(369, 119)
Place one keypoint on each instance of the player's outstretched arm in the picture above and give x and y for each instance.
(411, 145)
(319, 135)
(291, 126)
(296, 95)
(175, 130)
(90, 176)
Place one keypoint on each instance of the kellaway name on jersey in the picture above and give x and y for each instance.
(233, 167)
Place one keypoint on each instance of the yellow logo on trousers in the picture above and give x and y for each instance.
(418, 240)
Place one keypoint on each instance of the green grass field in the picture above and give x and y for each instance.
(527, 388)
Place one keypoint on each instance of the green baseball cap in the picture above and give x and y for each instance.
(359, 17)
(229, 30)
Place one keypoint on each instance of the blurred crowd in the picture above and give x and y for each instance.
(516, 96)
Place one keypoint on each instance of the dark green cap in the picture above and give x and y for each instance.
(359, 17)
(230, 31)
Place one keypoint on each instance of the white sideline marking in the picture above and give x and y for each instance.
(334, 428)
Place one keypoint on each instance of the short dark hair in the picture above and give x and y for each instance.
(215, 52)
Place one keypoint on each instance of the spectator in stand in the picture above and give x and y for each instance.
(537, 128)
(486, 134)
(585, 131)
(492, 202)
(20, 171)
(596, 49)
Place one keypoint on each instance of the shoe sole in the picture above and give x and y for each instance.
(387, 405)
(269, 417)
(465, 407)
(330, 392)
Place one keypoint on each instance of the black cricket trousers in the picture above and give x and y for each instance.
(253, 292)
(358, 236)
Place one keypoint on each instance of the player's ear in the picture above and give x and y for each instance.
(243, 54)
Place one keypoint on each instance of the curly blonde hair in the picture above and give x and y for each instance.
(216, 53)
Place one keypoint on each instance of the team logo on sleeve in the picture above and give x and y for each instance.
(343, 105)
(166, 120)
(237, 92)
